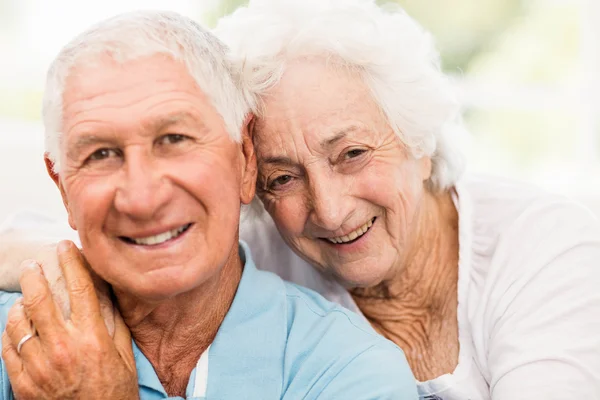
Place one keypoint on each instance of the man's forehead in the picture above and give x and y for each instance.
(93, 77)
(124, 92)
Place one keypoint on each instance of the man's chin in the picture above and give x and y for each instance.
(154, 289)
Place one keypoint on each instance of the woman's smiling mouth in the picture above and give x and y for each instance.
(354, 235)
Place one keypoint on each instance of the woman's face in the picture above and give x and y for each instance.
(339, 184)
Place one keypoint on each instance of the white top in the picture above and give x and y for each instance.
(528, 292)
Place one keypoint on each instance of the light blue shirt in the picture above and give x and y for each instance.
(282, 341)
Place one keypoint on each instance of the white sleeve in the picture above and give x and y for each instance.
(543, 313)
(37, 227)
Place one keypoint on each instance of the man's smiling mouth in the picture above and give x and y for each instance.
(157, 239)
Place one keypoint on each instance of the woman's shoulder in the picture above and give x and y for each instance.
(533, 281)
(506, 210)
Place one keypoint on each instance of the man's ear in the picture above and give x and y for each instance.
(54, 176)
(425, 167)
(249, 167)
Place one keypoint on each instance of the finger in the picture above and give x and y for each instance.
(47, 258)
(20, 381)
(18, 326)
(38, 302)
(60, 294)
(122, 340)
(107, 310)
(12, 361)
(82, 295)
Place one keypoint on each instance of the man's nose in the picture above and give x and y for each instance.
(329, 203)
(144, 189)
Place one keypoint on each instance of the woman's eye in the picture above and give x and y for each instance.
(280, 180)
(172, 138)
(354, 153)
(103, 154)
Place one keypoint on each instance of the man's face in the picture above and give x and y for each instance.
(150, 178)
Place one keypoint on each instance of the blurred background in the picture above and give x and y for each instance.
(527, 72)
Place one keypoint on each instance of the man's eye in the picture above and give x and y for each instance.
(354, 153)
(103, 154)
(172, 138)
(280, 181)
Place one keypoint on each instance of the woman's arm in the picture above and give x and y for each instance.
(14, 249)
(30, 235)
(34, 236)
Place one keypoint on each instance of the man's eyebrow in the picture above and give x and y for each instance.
(83, 141)
(160, 123)
(163, 122)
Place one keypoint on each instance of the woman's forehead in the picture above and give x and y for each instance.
(317, 100)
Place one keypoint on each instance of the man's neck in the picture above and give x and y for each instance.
(174, 334)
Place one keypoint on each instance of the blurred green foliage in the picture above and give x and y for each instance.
(462, 28)
(21, 104)
(222, 8)
(7, 12)
(512, 40)
(494, 42)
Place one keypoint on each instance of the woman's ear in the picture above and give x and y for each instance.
(249, 168)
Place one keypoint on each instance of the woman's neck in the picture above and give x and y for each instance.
(417, 307)
(174, 334)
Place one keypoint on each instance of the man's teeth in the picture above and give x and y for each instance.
(352, 235)
(161, 237)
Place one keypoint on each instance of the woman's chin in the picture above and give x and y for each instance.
(360, 277)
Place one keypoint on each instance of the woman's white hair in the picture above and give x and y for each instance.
(394, 55)
(131, 36)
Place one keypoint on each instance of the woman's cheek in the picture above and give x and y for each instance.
(288, 215)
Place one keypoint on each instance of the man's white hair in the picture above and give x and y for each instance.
(135, 35)
(395, 57)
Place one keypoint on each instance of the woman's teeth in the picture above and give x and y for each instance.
(161, 237)
(353, 235)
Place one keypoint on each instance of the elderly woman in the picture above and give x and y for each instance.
(489, 286)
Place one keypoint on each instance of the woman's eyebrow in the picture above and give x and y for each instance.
(339, 135)
(276, 160)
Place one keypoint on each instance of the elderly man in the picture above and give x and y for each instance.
(148, 143)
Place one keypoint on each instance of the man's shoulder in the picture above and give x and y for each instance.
(326, 350)
(340, 347)
(312, 321)
(7, 299)
(304, 303)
